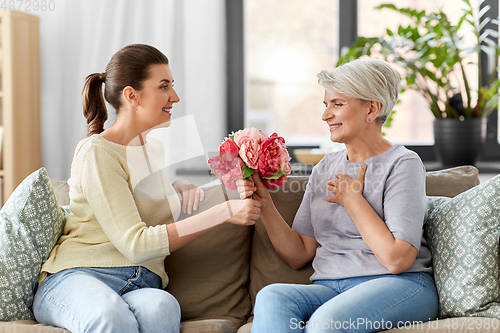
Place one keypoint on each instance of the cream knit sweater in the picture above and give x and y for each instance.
(120, 203)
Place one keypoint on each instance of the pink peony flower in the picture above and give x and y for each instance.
(251, 132)
(249, 151)
(227, 168)
(229, 146)
(284, 158)
(269, 155)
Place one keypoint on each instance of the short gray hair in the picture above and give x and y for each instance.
(366, 80)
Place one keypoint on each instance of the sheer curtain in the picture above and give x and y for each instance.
(79, 38)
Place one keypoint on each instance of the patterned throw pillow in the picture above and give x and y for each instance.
(31, 221)
(463, 235)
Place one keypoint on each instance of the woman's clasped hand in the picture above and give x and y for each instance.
(345, 187)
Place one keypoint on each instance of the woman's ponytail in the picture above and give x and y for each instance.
(94, 108)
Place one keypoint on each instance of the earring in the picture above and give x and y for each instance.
(369, 120)
(137, 108)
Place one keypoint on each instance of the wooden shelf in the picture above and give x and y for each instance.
(20, 102)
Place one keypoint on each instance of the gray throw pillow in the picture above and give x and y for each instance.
(31, 221)
(463, 236)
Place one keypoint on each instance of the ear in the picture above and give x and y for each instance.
(130, 96)
(373, 110)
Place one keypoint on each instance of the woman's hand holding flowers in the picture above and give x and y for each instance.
(246, 212)
(252, 186)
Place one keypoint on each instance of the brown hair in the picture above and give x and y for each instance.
(130, 66)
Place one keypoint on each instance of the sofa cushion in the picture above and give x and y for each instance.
(451, 182)
(450, 325)
(245, 328)
(31, 221)
(61, 189)
(208, 276)
(210, 326)
(28, 326)
(266, 266)
(463, 236)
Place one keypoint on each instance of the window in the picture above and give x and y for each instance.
(413, 119)
(277, 35)
(284, 52)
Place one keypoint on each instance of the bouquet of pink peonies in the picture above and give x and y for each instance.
(250, 150)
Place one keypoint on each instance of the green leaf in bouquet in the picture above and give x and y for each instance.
(247, 172)
(277, 175)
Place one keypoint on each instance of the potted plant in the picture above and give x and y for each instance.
(432, 57)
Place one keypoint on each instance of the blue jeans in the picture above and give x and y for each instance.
(118, 299)
(360, 304)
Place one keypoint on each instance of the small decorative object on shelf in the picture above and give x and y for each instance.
(248, 151)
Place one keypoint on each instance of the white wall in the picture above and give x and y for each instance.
(79, 38)
(205, 68)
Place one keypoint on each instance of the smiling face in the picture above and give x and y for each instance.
(346, 117)
(157, 97)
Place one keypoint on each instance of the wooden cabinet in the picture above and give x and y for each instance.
(20, 98)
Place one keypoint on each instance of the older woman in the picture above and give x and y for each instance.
(360, 221)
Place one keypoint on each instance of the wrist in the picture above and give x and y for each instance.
(353, 202)
(267, 205)
(225, 211)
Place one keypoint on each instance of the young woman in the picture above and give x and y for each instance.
(360, 221)
(106, 272)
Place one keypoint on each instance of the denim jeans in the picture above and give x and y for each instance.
(361, 304)
(118, 299)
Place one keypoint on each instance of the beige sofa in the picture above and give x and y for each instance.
(216, 277)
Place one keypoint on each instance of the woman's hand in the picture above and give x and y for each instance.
(344, 186)
(246, 212)
(189, 195)
(246, 187)
(254, 185)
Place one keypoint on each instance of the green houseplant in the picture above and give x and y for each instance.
(432, 56)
